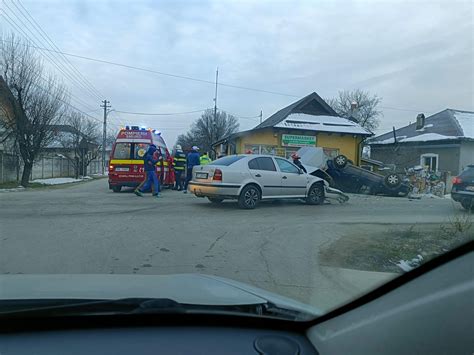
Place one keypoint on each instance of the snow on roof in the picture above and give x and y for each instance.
(60, 139)
(420, 138)
(321, 123)
(427, 137)
(466, 121)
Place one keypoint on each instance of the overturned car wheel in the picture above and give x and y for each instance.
(392, 180)
(340, 161)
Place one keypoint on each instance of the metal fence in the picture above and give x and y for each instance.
(11, 168)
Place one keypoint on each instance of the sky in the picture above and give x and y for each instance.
(418, 56)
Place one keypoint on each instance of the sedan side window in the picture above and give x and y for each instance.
(253, 164)
(287, 167)
(266, 164)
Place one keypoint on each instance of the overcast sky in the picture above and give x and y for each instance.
(416, 55)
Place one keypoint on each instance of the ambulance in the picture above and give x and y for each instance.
(126, 160)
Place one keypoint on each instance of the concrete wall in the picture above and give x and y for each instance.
(44, 168)
(405, 156)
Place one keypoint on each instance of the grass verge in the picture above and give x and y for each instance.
(382, 250)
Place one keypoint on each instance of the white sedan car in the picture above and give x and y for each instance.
(251, 178)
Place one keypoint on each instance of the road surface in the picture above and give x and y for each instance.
(86, 228)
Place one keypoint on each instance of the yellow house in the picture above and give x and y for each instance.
(306, 122)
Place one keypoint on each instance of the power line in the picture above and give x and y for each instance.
(47, 56)
(57, 63)
(404, 109)
(243, 117)
(158, 114)
(160, 72)
(48, 39)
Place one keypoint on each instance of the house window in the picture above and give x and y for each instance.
(260, 149)
(429, 161)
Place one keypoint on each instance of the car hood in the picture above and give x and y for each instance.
(196, 289)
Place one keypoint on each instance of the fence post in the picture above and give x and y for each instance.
(52, 167)
(42, 167)
(2, 167)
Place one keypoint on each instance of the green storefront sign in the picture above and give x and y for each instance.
(293, 140)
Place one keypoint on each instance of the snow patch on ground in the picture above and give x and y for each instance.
(408, 265)
(15, 189)
(57, 181)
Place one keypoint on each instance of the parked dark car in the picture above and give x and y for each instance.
(463, 188)
(350, 178)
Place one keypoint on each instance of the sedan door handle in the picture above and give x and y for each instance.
(284, 177)
(258, 175)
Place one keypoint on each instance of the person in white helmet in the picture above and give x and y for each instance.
(179, 165)
(192, 160)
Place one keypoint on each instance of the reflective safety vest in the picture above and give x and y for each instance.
(204, 160)
(179, 162)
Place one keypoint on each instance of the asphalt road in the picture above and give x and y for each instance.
(86, 228)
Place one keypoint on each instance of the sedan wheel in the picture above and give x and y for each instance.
(116, 188)
(249, 197)
(315, 195)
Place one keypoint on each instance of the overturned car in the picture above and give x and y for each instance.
(341, 174)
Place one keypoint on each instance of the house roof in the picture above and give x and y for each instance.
(448, 124)
(318, 123)
(62, 134)
(312, 104)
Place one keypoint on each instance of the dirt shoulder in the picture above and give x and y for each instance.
(382, 247)
(15, 186)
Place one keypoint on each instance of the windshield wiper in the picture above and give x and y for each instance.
(96, 307)
(62, 308)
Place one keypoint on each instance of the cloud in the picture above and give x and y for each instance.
(412, 54)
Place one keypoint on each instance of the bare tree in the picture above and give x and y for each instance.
(366, 112)
(209, 129)
(80, 138)
(30, 103)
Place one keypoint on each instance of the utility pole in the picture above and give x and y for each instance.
(105, 105)
(215, 97)
(261, 116)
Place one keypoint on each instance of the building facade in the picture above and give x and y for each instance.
(307, 122)
(443, 142)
